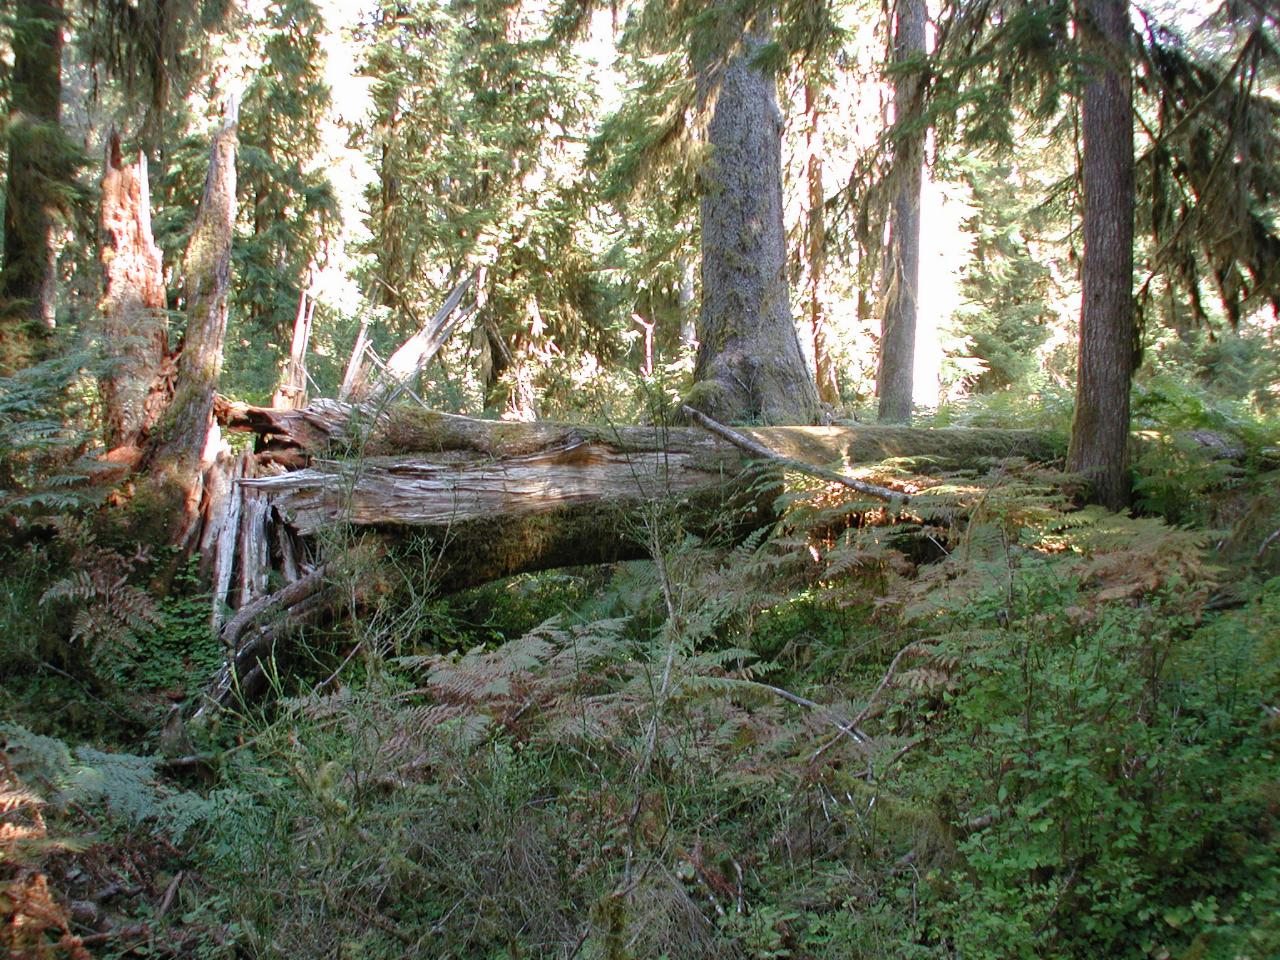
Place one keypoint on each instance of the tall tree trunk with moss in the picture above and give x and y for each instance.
(894, 385)
(1100, 432)
(39, 166)
(133, 304)
(177, 458)
(749, 366)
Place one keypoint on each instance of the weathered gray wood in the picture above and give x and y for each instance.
(251, 635)
(226, 530)
(415, 353)
(759, 450)
(292, 391)
(498, 498)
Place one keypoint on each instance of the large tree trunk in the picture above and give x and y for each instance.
(178, 456)
(134, 391)
(895, 383)
(1100, 433)
(749, 365)
(39, 165)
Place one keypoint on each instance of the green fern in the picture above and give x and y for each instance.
(128, 787)
(47, 431)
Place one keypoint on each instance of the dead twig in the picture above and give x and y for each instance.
(866, 711)
(169, 894)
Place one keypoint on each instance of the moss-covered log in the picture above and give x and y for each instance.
(500, 498)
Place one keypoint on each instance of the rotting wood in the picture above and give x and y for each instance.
(481, 500)
(226, 530)
(476, 469)
(251, 635)
(137, 386)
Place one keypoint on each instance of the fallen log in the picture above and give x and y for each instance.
(500, 498)
(484, 499)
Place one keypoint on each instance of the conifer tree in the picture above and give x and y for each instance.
(288, 210)
(749, 364)
(476, 110)
(898, 331)
(40, 183)
(1100, 432)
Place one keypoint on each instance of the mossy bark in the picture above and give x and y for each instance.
(499, 498)
(749, 366)
(176, 459)
(40, 166)
(1100, 432)
(895, 382)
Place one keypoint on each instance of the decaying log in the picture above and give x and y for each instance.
(498, 498)
(762, 452)
(251, 635)
(482, 499)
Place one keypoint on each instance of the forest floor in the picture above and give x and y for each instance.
(992, 724)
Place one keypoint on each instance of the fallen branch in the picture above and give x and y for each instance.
(762, 452)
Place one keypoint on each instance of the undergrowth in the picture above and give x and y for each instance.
(992, 726)
(984, 725)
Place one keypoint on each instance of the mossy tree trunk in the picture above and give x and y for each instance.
(749, 366)
(41, 164)
(1100, 432)
(177, 457)
(895, 383)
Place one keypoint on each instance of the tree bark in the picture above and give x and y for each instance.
(749, 365)
(178, 455)
(895, 382)
(38, 165)
(1100, 431)
(823, 365)
(134, 389)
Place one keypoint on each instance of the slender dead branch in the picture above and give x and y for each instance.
(764, 453)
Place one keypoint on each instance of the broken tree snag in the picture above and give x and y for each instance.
(136, 386)
(183, 433)
(292, 392)
(415, 353)
(353, 378)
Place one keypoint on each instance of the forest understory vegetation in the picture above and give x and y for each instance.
(986, 723)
